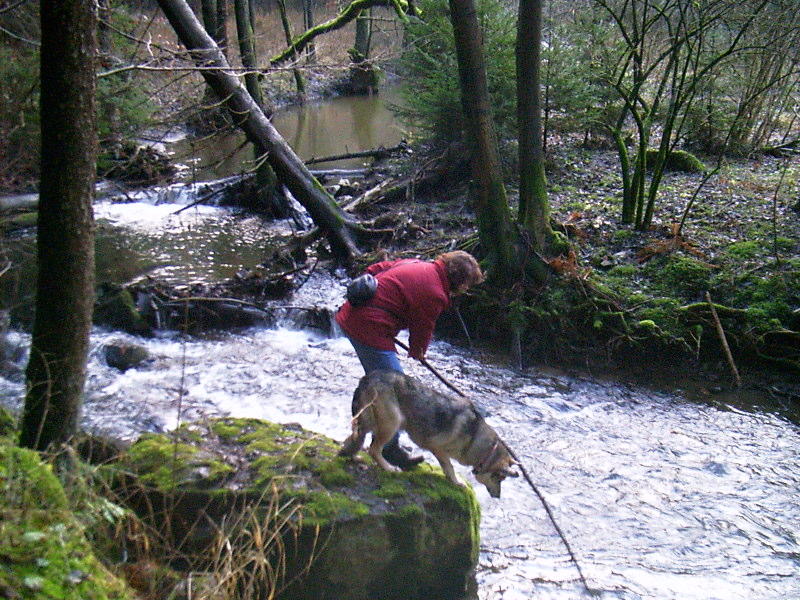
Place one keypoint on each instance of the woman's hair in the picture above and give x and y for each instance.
(463, 271)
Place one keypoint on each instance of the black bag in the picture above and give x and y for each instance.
(361, 289)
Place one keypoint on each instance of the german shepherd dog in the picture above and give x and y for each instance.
(387, 401)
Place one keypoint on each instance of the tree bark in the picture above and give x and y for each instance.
(363, 33)
(488, 191)
(209, 11)
(287, 32)
(221, 34)
(56, 370)
(534, 209)
(326, 214)
(308, 23)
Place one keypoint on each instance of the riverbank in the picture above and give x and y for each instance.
(632, 301)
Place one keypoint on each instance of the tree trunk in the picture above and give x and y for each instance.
(56, 370)
(287, 31)
(488, 191)
(248, 54)
(269, 190)
(327, 215)
(209, 11)
(363, 33)
(534, 209)
(308, 23)
(221, 35)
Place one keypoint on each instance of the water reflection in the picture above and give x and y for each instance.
(313, 130)
(163, 241)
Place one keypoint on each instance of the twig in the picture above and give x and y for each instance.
(723, 340)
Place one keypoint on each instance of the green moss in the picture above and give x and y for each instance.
(227, 430)
(8, 423)
(41, 488)
(116, 308)
(679, 275)
(626, 271)
(622, 235)
(678, 160)
(391, 487)
(20, 221)
(166, 463)
(333, 473)
(744, 250)
(43, 551)
(664, 313)
(321, 507)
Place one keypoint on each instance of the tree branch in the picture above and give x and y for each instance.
(348, 14)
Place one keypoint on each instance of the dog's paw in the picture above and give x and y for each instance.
(392, 469)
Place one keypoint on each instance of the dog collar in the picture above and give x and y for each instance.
(483, 465)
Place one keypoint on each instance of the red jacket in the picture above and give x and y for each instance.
(411, 295)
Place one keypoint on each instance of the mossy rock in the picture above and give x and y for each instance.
(44, 553)
(370, 533)
(678, 160)
(116, 308)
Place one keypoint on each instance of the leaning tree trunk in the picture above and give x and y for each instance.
(326, 214)
(488, 193)
(534, 209)
(56, 370)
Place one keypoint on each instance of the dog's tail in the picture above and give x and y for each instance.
(360, 422)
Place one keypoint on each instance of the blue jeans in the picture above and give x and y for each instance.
(373, 359)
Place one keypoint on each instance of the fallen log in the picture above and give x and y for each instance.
(377, 153)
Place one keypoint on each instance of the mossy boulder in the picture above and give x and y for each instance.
(115, 308)
(124, 355)
(44, 552)
(678, 160)
(347, 530)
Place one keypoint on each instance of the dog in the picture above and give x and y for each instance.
(387, 401)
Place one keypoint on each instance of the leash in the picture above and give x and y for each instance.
(433, 370)
(524, 474)
(552, 518)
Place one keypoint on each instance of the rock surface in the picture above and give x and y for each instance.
(347, 530)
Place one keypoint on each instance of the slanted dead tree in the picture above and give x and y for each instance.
(341, 230)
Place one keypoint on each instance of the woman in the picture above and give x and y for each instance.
(411, 294)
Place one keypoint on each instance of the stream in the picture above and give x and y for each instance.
(661, 495)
